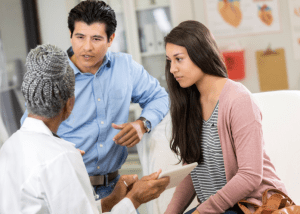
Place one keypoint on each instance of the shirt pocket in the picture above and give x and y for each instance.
(116, 100)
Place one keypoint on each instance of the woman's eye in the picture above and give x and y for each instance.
(178, 59)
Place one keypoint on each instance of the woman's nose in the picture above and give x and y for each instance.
(173, 68)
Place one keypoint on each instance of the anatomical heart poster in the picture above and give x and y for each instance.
(242, 17)
(295, 25)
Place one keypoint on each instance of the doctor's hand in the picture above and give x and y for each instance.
(130, 134)
(121, 189)
(147, 189)
(123, 186)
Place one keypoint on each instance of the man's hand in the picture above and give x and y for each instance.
(119, 192)
(130, 134)
(147, 189)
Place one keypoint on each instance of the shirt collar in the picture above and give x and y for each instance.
(55, 135)
(35, 125)
(106, 61)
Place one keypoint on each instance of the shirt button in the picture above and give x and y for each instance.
(101, 145)
(102, 122)
(98, 167)
(99, 99)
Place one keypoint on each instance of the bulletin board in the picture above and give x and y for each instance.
(259, 41)
(242, 17)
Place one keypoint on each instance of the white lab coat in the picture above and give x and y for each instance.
(40, 173)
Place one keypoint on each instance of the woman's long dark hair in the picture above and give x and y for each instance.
(185, 107)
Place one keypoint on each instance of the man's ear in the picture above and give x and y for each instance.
(70, 34)
(111, 39)
(67, 110)
(70, 103)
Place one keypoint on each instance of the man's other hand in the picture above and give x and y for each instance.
(130, 134)
(147, 189)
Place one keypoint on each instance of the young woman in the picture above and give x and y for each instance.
(215, 122)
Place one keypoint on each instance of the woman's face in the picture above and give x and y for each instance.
(182, 67)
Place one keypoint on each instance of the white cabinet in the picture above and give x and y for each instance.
(142, 26)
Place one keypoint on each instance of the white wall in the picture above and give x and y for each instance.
(253, 43)
(53, 20)
(12, 30)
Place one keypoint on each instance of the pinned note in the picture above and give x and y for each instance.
(272, 70)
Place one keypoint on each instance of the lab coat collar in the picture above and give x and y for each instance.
(35, 125)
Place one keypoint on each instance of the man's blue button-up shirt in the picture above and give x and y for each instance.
(103, 99)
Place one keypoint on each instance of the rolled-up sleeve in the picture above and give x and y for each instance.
(149, 94)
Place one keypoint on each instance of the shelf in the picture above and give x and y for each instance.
(151, 7)
(132, 163)
(133, 157)
(118, 11)
(146, 54)
(116, 5)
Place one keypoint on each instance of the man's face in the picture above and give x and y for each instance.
(90, 44)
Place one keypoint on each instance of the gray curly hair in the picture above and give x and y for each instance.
(48, 82)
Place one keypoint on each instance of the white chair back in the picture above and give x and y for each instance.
(281, 129)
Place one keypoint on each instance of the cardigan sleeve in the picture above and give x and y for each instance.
(247, 143)
(182, 197)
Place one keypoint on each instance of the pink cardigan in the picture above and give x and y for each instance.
(248, 168)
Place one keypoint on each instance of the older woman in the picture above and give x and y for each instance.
(42, 173)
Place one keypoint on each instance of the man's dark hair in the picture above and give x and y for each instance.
(92, 11)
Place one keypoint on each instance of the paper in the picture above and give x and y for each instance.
(295, 26)
(242, 17)
(235, 64)
(272, 70)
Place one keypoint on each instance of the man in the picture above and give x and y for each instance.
(106, 83)
(42, 173)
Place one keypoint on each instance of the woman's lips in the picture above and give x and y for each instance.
(178, 78)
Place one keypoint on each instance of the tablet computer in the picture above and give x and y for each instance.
(178, 174)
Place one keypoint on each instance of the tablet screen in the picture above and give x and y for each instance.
(178, 174)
